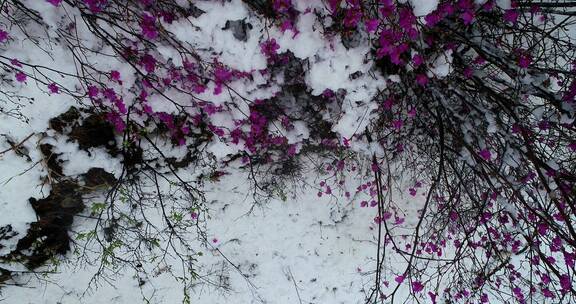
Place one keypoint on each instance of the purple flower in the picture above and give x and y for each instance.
(511, 16)
(446, 9)
(149, 63)
(524, 60)
(547, 293)
(3, 36)
(417, 286)
(148, 26)
(453, 215)
(422, 79)
(432, 19)
(488, 6)
(292, 150)
(15, 62)
(565, 283)
(352, 17)
(54, 2)
(281, 6)
(92, 91)
(432, 297)
(406, 18)
(95, 6)
(53, 87)
(417, 60)
(371, 25)
(115, 75)
(518, 293)
(269, 48)
(485, 154)
(20, 77)
(467, 17)
(222, 74)
(387, 8)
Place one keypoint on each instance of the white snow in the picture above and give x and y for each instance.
(423, 7)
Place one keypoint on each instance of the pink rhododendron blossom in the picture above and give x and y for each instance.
(569, 259)
(269, 48)
(388, 104)
(281, 6)
(92, 91)
(417, 60)
(422, 79)
(388, 7)
(148, 62)
(387, 215)
(3, 36)
(53, 88)
(117, 121)
(524, 60)
(485, 154)
(417, 286)
(95, 6)
(518, 293)
(479, 60)
(432, 19)
(453, 215)
(288, 25)
(148, 25)
(547, 293)
(446, 9)
(20, 77)
(115, 75)
(371, 25)
(467, 17)
(15, 62)
(406, 18)
(54, 2)
(432, 297)
(511, 16)
(399, 279)
(489, 5)
(565, 283)
(535, 9)
(352, 17)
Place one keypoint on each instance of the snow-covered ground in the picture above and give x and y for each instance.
(302, 250)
